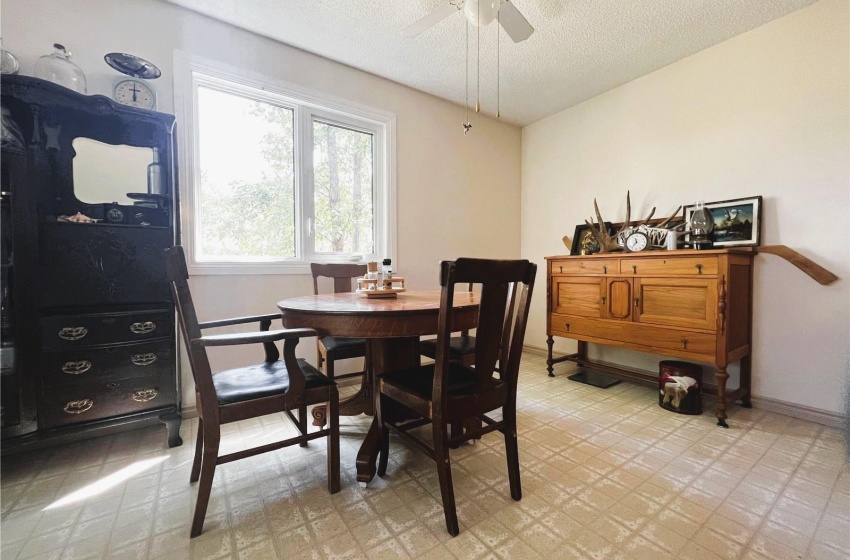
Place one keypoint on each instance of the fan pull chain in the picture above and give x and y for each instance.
(498, 60)
(478, 63)
(467, 125)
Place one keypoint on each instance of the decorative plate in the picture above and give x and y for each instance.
(132, 65)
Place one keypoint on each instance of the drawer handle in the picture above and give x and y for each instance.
(567, 326)
(699, 269)
(684, 344)
(144, 395)
(561, 269)
(637, 302)
(634, 269)
(605, 269)
(142, 328)
(603, 300)
(78, 407)
(73, 333)
(76, 368)
(143, 359)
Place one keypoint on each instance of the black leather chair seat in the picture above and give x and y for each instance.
(262, 380)
(338, 343)
(459, 346)
(420, 380)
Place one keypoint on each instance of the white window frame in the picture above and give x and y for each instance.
(190, 71)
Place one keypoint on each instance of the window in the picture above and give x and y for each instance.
(281, 178)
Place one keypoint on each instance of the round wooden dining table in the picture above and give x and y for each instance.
(392, 327)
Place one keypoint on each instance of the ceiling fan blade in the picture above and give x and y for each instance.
(431, 19)
(514, 23)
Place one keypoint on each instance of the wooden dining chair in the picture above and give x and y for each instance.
(449, 391)
(461, 347)
(247, 392)
(332, 348)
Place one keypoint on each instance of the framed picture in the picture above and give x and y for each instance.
(737, 223)
(583, 241)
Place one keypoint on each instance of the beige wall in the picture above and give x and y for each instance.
(765, 113)
(451, 188)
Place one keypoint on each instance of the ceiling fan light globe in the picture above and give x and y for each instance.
(481, 12)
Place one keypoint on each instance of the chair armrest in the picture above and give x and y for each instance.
(253, 337)
(239, 321)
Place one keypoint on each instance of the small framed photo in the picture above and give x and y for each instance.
(737, 223)
(583, 241)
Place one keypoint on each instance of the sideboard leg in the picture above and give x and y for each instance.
(722, 377)
(549, 363)
(172, 422)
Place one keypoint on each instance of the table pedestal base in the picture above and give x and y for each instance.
(388, 354)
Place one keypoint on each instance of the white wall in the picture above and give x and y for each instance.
(446, 205)
(765, 113)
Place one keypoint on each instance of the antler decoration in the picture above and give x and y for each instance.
(608, 243)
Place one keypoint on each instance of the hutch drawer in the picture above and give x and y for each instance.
(103, 399)
(585, 266)
(639, 337)
(65, 332)
(687, 266)
(150, 359)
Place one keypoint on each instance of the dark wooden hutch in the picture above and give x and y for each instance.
(88, 329)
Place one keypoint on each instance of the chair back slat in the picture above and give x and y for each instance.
(506, 287)
(178, 276)
(342, 274)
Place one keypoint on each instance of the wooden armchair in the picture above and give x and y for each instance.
(247, 392)
(448, 392)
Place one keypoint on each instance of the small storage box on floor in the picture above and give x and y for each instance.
(680, 387)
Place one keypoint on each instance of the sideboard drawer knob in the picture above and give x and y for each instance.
(699, 269)
(634, 269)
(684, 344)
(567, 326)
(78, 407)
(142, 328)
(143, 359)
(605, 269)
(144, 395)
(73, 333)
(76, 368)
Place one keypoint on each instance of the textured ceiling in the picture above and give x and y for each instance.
(580, 48)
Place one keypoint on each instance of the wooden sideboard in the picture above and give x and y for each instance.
(693, 305)
(87, 319)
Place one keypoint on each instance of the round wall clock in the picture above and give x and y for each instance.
(637, 241)
(135, 94)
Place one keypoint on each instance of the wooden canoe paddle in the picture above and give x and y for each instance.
(816, 271)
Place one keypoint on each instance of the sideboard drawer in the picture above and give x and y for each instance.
(151, 359)
(689, 266)
(65, 332)
(585, 266)
(649, 338)
(98, 400)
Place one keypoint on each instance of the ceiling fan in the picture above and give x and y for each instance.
(479, 13)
